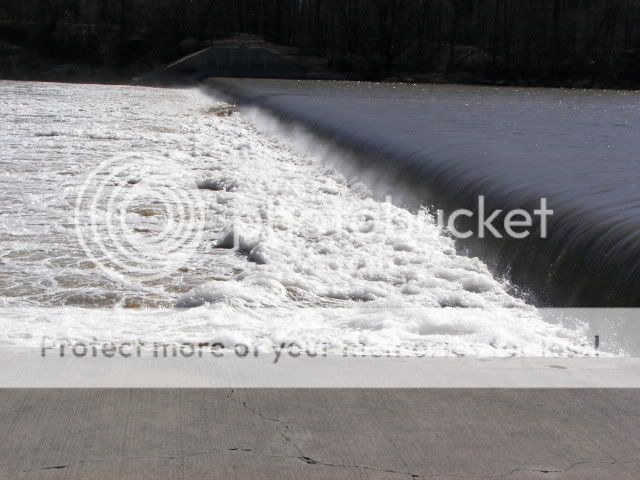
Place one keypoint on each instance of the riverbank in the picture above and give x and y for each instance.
(20, 64)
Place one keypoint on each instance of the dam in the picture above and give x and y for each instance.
(575, 148)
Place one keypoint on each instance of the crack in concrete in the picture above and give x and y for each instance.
(564, 470)
(286, 438)
(227, 451)
(311, 461)
(302, 456)
(56, 467)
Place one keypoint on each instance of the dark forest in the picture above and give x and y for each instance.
(548, 42)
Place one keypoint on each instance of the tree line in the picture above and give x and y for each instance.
(546, 40)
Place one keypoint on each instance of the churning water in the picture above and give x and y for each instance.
(578, 149)
(318, 258)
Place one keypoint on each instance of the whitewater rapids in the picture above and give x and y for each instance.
(319, 259)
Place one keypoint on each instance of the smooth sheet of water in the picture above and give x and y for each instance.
(579, 149)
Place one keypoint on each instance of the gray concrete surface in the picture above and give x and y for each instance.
(28, 369)
(320, 434)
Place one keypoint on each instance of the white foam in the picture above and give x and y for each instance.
(350, 268)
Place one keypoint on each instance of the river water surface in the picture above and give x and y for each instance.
(318, 258)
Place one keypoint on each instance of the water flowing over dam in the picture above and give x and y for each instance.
(577, 149)
(102, 181)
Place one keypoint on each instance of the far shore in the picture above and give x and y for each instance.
(19, 64)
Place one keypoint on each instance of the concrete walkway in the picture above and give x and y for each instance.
(320, 434)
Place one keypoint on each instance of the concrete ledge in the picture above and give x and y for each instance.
(319, 434)
(27, 369)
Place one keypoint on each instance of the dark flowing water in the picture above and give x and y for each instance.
(578, 149)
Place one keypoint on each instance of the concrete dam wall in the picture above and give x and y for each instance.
(221, 61)
(237, 62)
